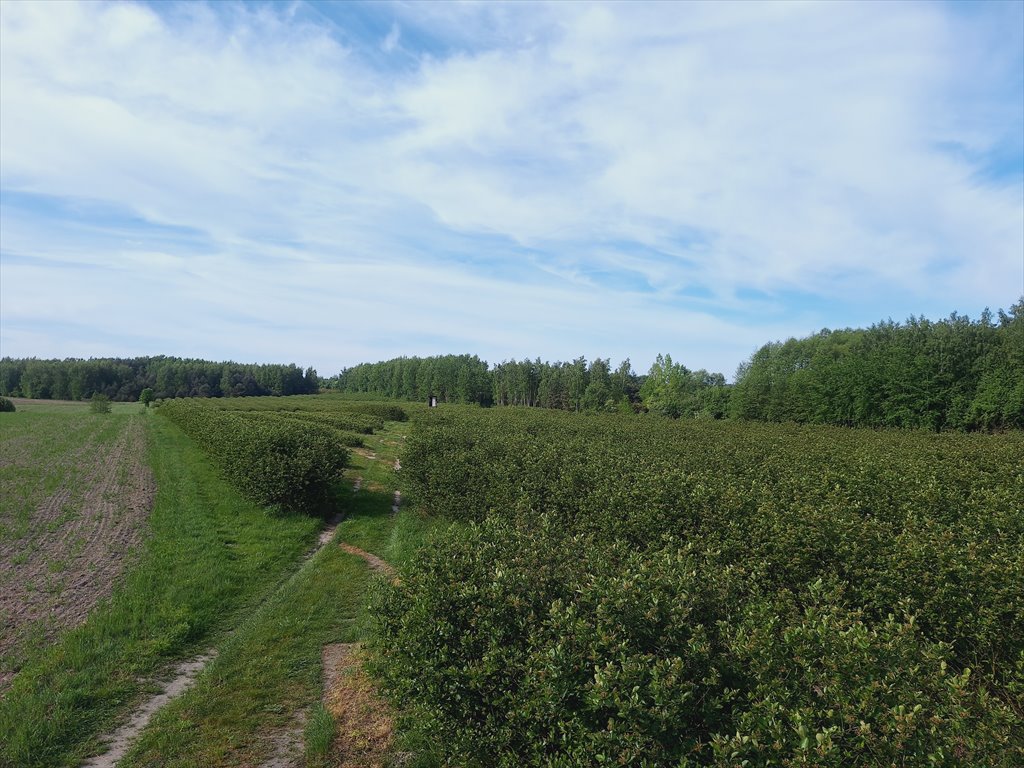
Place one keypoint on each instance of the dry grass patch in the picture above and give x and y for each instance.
(364, 723)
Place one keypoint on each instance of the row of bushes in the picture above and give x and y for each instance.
(642, 592)
(344, 434)
(278, 462)
(349, 422)
(319, 405)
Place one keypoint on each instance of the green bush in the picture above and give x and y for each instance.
(519, 645)
(272, 461)
(6, 405)
(99, 403)
(640, 592)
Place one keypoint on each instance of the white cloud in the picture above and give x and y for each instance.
(390, 42)
(534, 168)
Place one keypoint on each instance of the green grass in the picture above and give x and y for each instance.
(266, 673)
(319, 734)
(73, 406)
(209, 559)
(269, 671)
(214, 572)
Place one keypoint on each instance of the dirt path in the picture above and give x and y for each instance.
(363, 723)
(119, 742)
(376, 564)
(185, 675)
(80, 540)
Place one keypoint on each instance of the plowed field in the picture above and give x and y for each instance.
(74, 494)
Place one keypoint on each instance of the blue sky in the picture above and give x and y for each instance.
(333, 183)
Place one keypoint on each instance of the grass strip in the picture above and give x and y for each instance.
(268, 671)
(209, 558)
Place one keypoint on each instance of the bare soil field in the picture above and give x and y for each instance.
(74, 494)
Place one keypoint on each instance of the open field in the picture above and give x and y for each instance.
(216, 577)
(207, 559)
(529, 587)
(253, 703)
(74, 494)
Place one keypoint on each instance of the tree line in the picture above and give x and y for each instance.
(124, 379)
(951, 374)
(577, 385)
(955, 373)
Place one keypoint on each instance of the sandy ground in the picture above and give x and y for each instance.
(119, 742)
(78, 544)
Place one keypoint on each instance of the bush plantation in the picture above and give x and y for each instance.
(638, 591)
(271, 462)
(280, 452)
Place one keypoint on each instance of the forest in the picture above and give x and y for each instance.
(123, 379)
(955, 373)
(951, 374)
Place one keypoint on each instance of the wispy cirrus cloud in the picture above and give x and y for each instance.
(334, 183)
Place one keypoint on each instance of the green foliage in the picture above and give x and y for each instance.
(630, 591)
(318, 735)
(671, 389)
(951, 374)
(123, 380)
(6, 406)
(146, 396)
(451, 378)
(271, 460)
(467, 379)
(99, 404)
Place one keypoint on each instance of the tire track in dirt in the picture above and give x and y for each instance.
(375, 563)
(185, 675)
(79, 543)
(366, 727)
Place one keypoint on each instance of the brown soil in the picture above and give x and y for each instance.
(287, 745)
(364, 724)
(376, 564)
(80, 539)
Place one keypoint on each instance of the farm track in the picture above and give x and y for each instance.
(78, 544)
(364, 722)
(184, 676)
